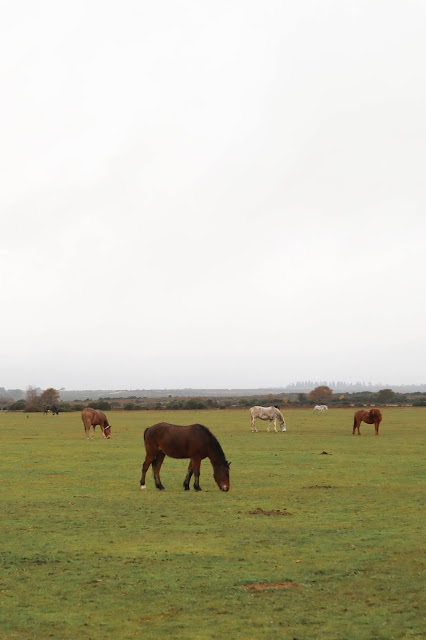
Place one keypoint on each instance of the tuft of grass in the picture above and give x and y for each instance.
(86, 554)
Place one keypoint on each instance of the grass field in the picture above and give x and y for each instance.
(86, 555)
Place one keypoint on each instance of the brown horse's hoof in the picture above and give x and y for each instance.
(143, 487)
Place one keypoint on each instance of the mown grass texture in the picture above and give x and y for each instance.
(85, 554)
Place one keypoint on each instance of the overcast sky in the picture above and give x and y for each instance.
(226, 193)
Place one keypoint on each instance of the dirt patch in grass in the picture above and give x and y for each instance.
(263, 586)
(321, 486)
(272, 512)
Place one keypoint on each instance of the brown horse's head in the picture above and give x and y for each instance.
(107, 432)
(221, 475)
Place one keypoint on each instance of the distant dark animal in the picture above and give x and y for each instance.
(267, 413)
(54, 410)
(193, 441)
(92, 418)
(370, 416)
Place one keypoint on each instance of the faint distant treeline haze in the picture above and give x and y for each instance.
(296, 387)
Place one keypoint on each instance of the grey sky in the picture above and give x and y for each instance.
(212, 194)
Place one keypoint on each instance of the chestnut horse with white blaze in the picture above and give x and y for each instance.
(192, 441)
(92, 418)
(370, 416)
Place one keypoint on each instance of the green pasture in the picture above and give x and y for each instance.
(304, 546)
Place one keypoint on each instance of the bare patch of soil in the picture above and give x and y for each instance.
(272, 512)
(262, 586)
(321, 486)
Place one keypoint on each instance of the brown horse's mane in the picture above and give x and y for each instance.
(216, 445)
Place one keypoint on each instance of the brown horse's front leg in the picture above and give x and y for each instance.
(196, 469)
(156, 466)
(145, 468)
(376, 426)
(188, 477)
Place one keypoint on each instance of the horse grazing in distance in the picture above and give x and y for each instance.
(193, 441)
(53, 410)
(92, 418)
(371, 416)
(320, 408)
(267, 413)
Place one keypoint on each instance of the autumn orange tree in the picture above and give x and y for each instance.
(321, 395)
(49, 397)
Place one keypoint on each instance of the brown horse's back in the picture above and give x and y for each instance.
(177, 441)
(370, 416)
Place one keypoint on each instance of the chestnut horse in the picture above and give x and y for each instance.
(193, 441)
(372, 416)
(91, 418)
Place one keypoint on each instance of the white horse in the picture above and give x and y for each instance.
(321, 408)
(267, 413)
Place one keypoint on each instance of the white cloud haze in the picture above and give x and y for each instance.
(216, 194)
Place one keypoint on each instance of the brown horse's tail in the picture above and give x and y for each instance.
(144, 434)
(354, 422)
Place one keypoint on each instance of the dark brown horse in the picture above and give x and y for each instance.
(371, 416)
(92, 418)
(193, 441)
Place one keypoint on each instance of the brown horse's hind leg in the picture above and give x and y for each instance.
(356, 426)
(188, 477)
(87, 430)
(376, 426)
(196, 469)
(156, 466)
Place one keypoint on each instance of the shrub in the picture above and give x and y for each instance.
(66, 407)
(102, 405)
(192, 403)
(19, 405)
(421, 402)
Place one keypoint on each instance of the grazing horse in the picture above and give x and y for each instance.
(52, 409)
(372, 416)
(320, 408)
(91, 418)
(267, 413)
(193, 441)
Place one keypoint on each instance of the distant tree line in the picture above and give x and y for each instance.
(323, 394)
